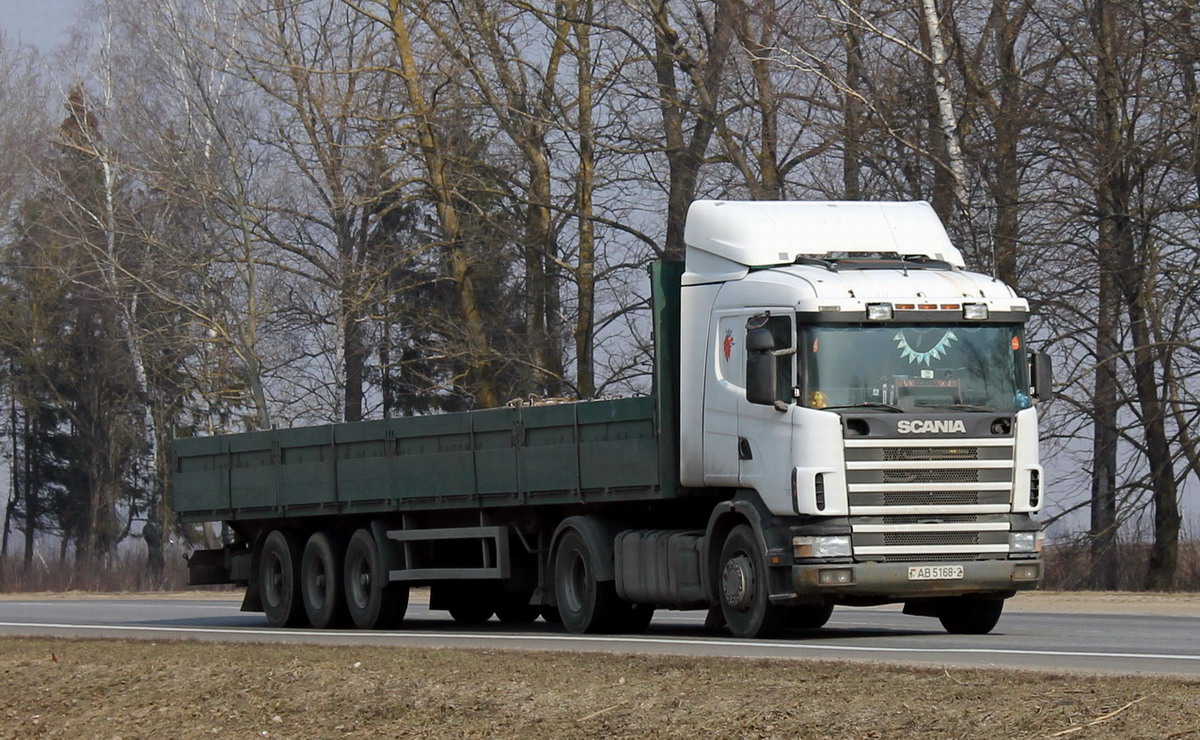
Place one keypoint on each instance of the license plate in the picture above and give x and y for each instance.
(935, 572)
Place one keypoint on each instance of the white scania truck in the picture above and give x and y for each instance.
(841, 415)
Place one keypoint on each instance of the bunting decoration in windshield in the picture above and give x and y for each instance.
(923, 358)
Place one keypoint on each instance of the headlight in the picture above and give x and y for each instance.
(821, 547)
(1025, 541)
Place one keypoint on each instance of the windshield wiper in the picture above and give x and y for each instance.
(868, 405)
(956, 406)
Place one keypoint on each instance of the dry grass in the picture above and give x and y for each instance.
(122, 573)
(1069, 565)
(142, 689)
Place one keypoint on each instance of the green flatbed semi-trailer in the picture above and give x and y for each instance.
(760, 479)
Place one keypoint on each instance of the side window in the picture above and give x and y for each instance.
(768, 359)
(781, 330)
(731, 362)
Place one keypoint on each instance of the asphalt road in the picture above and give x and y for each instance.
(1117, 643)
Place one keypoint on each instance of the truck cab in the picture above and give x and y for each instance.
(869, 397)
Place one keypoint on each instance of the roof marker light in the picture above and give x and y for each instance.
(975, 311)
(879, 311)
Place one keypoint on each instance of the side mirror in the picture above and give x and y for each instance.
(760, 378)
(760, 366)
(760, 340)
(1041, 371)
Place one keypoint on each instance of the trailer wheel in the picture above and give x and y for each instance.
(321, 573)
(809, 617)
(585, 604)
(279, 579)
(744, 596)
(373, 603)
(969, 615)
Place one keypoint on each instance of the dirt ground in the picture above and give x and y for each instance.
(1182, 604)
(127, 689)
(101, 688)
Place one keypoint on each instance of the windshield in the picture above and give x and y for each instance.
(915, 367)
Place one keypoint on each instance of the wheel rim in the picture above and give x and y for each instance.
(737, 582)
(360, 582)
(273, 582)
(319, 581)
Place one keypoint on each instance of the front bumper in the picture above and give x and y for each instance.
(890, 581)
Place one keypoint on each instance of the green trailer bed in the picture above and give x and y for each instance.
(582, 452)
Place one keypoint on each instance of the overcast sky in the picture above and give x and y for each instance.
(40, 23)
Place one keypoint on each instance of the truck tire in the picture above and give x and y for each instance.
(279, 579)
(373, 603)
(809, 617)
(585, 604)
(321, 573)
(969, 615)
(743, 589)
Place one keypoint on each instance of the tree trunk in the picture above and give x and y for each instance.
(684, 155)
(585, 269)
(478, 359)
(1132, 273)
(767, 182)
(852, 108)
(1189, 57)
(1104, 427)
(32, 484)
(387, 384)
(354, 357)
(1007, 123)
(1134, 280)
(945, 118)
(14, 478)
(541, 310)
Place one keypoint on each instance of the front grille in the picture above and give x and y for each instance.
(916, 454)
(936, 519)
(927, 498)
(881, 478)
(935, 558)
(930, 476)
(932, 538)
(898, 539)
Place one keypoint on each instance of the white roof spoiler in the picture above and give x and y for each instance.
(767, 233)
